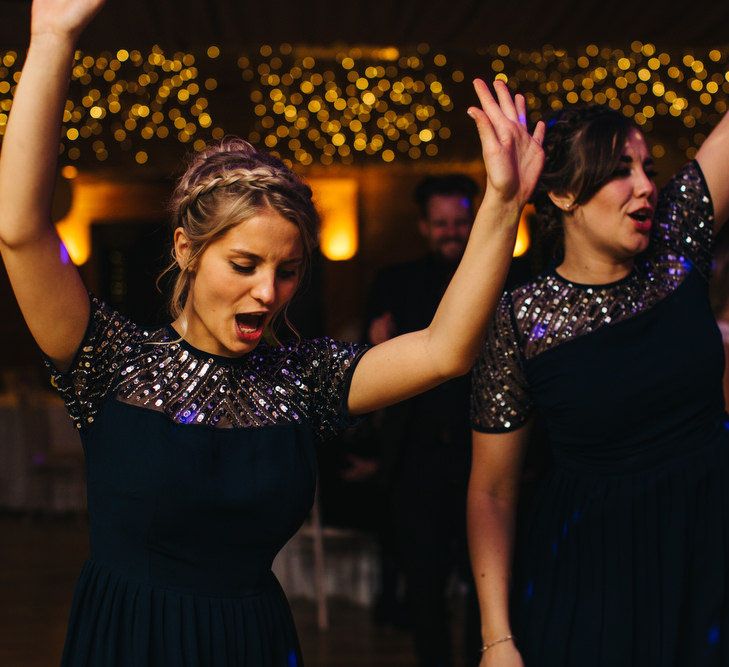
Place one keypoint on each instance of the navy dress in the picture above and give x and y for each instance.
(623, 557)
(199, 469)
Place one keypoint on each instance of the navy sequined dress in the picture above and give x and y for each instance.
(623, 556)
(199, 469)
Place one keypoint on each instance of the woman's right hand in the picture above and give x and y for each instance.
(502, 655)
(64, 19)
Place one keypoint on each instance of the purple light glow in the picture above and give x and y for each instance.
(65, 257)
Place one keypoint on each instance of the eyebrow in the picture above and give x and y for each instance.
(257, 258)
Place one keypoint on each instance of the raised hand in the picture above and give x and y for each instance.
(513, 158)
(62, 18)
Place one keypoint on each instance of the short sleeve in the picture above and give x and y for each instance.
(500, 396)
(331, 365)
(108, 339)
(685, 217)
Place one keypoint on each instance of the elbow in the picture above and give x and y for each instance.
(462, 367)
(447, 357)
(10, 240)
(456, 366)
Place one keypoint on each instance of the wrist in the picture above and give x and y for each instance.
(507, 211)
(47, 39)
(494, 643)
(494, 631)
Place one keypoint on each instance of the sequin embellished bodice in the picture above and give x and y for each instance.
(159, 371)
(199, 468)
(543, 347)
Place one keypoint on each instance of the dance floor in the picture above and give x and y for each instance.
(39, 561)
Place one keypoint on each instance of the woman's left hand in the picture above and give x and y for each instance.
(513, 158)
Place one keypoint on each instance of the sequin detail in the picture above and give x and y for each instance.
(302, 382)
(551, 311)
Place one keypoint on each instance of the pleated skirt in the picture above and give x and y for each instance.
(628, 569)
(117, 622)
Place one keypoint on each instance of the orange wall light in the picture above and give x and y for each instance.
(95, 200)
(336, 201)
(522, 234)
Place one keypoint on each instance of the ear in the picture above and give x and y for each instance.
(565, 202)
(182, 248)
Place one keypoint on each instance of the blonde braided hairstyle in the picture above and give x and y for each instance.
(225, 184)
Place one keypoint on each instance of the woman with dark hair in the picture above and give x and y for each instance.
(199, 436)
(623, 556)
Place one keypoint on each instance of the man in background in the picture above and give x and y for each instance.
(425, 442)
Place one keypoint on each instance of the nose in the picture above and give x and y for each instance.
(643, 185)
(264, 291)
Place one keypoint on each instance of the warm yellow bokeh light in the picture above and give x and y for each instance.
(522, 235)
(336, 201)
(69, 172)
(94, 200)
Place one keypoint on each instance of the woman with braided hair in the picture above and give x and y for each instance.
(622, 558)
(199, 436)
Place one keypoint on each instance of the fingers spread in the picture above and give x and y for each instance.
(489, 140)
(505, 101)
(494, 110)
(485, 96)
(539, 131)
(520, 104)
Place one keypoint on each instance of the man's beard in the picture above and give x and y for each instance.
(452, 255)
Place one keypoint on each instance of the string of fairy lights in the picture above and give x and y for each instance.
(126, 102)
(375, 101)
(326, 106)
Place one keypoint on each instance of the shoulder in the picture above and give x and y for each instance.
(524, 295)
(110, 335)
(687, 187)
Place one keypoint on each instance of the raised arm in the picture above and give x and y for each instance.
(713, 158)
(493, 490)
(412, 363)
(47, 286)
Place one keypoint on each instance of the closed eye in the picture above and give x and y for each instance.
(287, 273)
(245, 269)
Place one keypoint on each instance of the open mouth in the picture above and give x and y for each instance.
(250, 323)
(643, 218)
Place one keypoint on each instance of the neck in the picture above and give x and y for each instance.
(593, 268)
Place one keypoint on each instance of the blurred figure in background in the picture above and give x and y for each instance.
(425, 441)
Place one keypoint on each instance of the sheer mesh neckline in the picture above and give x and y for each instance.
(174, 338)
(553, 270)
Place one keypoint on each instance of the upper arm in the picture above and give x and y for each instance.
(713, 158)
(50, 293)
(391, 372)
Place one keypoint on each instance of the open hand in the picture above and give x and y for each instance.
(62, 18)
(513, 158)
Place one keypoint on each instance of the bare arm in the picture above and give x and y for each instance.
(49, 290)
(412, 363)
(491, 514)
(713, 158)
